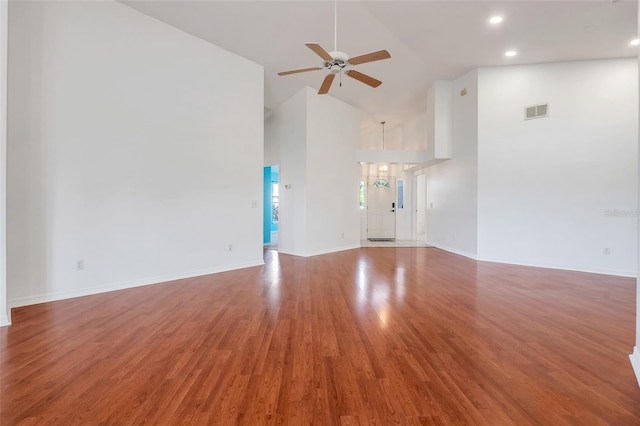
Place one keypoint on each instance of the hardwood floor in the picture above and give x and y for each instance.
(367, 336)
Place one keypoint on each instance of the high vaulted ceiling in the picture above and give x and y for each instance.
(428, 40)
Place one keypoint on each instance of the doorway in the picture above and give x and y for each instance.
(271, 205)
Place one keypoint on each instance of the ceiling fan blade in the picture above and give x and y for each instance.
(319, 51)
(300, 70)
(326, 84)
(363, 78)
(370, 57)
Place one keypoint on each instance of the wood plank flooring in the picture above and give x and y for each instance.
(369, 336)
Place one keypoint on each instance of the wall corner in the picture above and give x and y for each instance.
(5, 313)
(635, 357)
(635, 362)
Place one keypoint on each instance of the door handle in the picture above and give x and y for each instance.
(393, 210)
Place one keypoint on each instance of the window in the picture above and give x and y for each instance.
(274, 202)
(401, 194)
(362, 186)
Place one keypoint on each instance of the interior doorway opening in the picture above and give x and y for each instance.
(393, 205)
(271, 213)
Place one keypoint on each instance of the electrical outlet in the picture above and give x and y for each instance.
(606, 251)
(230, 247)
(254, 204)
(79, 265)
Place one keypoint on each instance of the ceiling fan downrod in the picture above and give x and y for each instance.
(335, 26)
(336, 62)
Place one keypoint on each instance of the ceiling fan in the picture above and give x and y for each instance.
(339, 62)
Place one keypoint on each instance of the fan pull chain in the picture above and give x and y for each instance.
(340, 78)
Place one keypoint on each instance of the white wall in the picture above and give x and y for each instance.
(635, 356)
(132, 145)
(546, 185)
(314, 139)
(439, 118)
(333, 136)
(408, 136)
(419, 199)
(371, 136)
(415, 133)
(285, 134)
(452, 191)
(4, 311)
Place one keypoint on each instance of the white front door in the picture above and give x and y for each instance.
(381, 207)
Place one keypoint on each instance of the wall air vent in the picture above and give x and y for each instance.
(536, 111)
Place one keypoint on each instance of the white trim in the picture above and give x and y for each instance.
(454, 251)
(333, 250)
(5, 312)
(635, 362)
(321, 252)
(604, 271)
(52, 297)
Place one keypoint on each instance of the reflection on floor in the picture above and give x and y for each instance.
(397, 243)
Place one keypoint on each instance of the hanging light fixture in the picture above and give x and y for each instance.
(382, 181)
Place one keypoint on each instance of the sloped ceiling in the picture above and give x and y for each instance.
(428, 40)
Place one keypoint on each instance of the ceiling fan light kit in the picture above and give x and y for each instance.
(337, 62)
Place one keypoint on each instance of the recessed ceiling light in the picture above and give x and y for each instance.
(635, 42)
(496, 19)
(510, 53)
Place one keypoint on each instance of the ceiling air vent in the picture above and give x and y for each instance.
(536, 111)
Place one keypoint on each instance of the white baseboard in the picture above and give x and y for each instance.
(635, 362)
(5, 321)
(603, 271)
(320, 252)
(332, 250)
(52, 297)
(454, 251)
